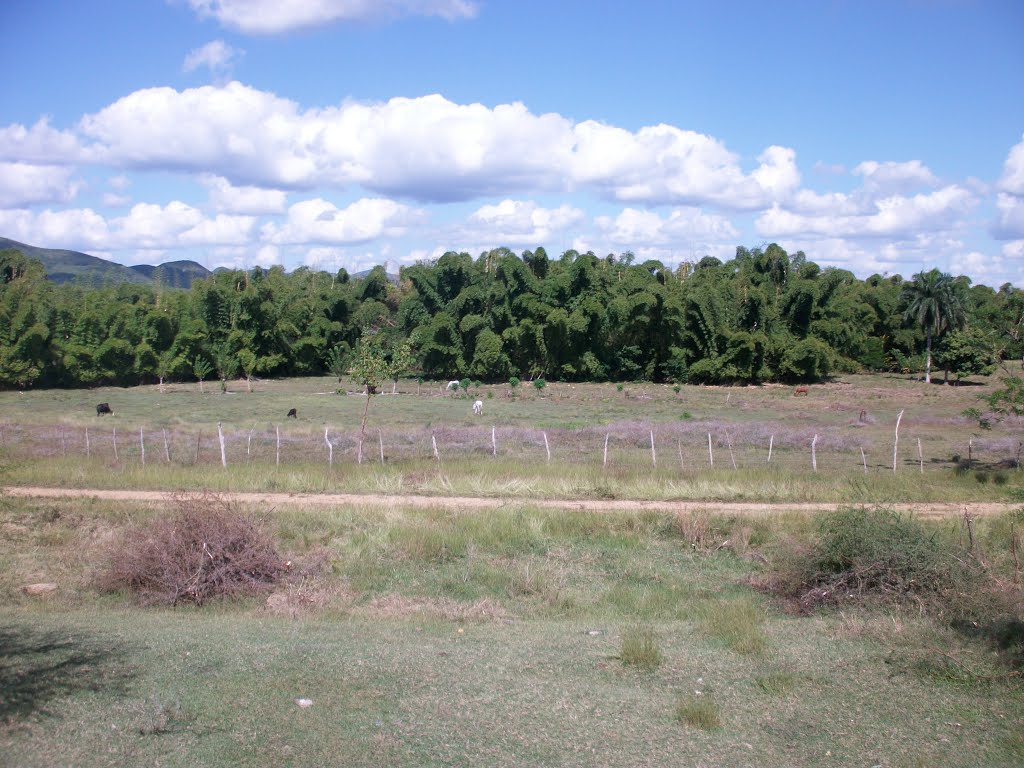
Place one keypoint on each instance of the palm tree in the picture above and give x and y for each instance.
(936, 303)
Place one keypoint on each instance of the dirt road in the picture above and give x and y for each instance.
(471, 503)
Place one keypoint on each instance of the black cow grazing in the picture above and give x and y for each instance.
(293, 414)
(103, 408)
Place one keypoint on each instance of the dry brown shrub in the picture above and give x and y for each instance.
(207, 547)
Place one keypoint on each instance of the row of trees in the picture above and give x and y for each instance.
(763, 315)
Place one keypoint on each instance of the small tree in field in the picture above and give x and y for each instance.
(371, 367)
(201, 368)
(337, 360)
(226, 364)
(513, 384)
(539, 385)
(1008, 400)
(247, 359)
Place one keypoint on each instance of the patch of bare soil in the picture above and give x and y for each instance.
(475, 503)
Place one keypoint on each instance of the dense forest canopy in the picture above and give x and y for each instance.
(765, 315)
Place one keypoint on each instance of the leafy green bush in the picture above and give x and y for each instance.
(878, 553)
(866, 550)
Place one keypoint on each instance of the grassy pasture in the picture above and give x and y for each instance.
(515, 636)
(851, 415)
(521, 636)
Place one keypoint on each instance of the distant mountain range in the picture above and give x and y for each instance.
(75, 267)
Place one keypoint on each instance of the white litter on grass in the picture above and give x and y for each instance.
(304, 703)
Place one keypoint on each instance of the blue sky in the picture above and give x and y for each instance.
(875, 135)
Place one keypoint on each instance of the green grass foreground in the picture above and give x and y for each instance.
(437, 637)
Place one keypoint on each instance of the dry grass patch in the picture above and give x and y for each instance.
(700, 712)
(640, 648)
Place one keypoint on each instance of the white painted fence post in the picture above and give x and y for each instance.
(115, 445)
(167, 450)
(896, 440)
(711, 455)
(771, 444)
(330, 448)
(494, 443)
(814, 455)
(864, 460)
(606, 436)
(547, 447)
(88, 452)
(223, 450)
(380, 441)
(278, 454)
(654, 456)
(142, 447)
(433, 442)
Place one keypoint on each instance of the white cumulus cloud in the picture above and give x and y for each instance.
(22, 184)
(319, 221)
(216, 55)
(146, 226)
(521, 222)
(1012, 179)
(1009, 224)
(270, 17)
(895, 216)
(684, 228)
(895, 177)
(224, 196)
(38, 144)
(426, 148)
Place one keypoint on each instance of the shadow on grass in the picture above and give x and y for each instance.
(37, 667)
(1006, 635)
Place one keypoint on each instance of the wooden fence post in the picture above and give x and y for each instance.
(223, 450)
(330, 448)
(814, 455)
(711, 455)
(896, 440)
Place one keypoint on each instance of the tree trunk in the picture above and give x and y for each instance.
(928, 361)
(362, 429)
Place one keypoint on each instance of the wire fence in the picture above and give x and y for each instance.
(686, 445)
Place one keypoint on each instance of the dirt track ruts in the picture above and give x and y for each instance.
(922, 509)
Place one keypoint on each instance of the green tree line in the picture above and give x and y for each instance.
(764, 315)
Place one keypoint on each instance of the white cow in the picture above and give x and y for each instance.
(478, 407)
(453, 386)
